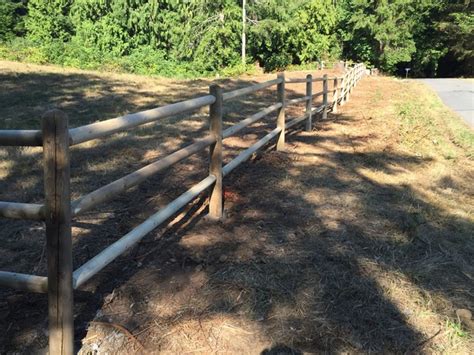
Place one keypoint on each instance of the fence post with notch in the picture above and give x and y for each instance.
(58, 231)
(216, 200)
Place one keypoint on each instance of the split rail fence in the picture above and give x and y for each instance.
(56, 138)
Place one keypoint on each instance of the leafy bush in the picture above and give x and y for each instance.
(196, 37)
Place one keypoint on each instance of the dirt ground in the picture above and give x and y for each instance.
(357, 239)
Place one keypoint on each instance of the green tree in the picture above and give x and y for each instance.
(283, 33)
(456, 30)
(381, 31)
(48, 20)
(11, 19)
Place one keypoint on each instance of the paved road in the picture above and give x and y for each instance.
(457, 94)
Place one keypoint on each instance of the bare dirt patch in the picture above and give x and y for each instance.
(356, 239)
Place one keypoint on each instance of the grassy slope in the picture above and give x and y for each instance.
(358, 238)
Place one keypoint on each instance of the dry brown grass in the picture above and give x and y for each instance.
(357, 239)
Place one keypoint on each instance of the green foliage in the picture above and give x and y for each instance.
(296, 32)
(48, 20)
(313, 31)
(201, 37)
(11, 21)
(383, 30)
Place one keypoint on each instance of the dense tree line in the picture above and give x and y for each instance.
(194, 37)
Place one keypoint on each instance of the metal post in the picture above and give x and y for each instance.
(309, 102)
(281, 112)
(216, 200)
(58, 231)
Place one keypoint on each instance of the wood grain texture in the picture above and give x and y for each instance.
(58, 231)
(281, 97)
(216, 198)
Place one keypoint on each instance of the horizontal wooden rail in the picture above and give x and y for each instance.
(243, 156)
(24, 282)
(250, 89)
(17, 210)
(318, 109)
(101, 260)
(301, 80)
(297, 100)
(295, 80)
(58, 210)
(25, 138)
(248, 121)
(113, 125)
(118, 186)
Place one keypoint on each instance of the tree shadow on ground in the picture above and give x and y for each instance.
(307, 244)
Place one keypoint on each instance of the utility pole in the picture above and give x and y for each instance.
(244, 16)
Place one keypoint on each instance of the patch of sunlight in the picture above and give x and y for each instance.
(31, 151)
(216, 334)
(6, 167)
(294, 172)
(198, 122)
(391, 175)
(238, 142)
(195, 242)
(77, 231)
(417, 305)
(287, 183)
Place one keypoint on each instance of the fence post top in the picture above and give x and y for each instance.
(214, 86)
(281, 75)
(309, 76)
(54, 113)
(216, 91)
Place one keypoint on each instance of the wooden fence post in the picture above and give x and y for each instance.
(334, 95)
(325, 96)
(281, 112)
(216, 200)
(348, 87)
(357, 75)
(309, 102)
(58, 231)
(351, 81)
(343, 90)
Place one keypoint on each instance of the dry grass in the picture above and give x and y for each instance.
(357, 239)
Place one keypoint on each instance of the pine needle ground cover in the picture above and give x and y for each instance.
(358, 238)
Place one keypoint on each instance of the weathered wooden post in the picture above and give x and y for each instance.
(334, 95)
(58, 231)
(325, 96)
(351, 81)
(216, 200)
(348, 87)
(309, 102)
(357, 75)
(343, 90)
(281, 112)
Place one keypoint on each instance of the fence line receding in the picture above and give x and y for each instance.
(58, 210)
